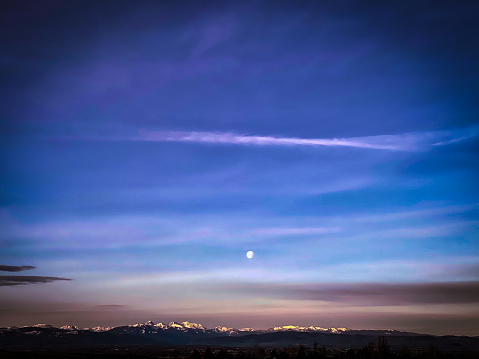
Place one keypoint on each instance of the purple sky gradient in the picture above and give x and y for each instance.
(147, 146)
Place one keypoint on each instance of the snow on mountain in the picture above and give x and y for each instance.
(170, 325)
(188, 325)
(246, 330)
(296, 328)
(287, 327)
(185, 326)
(70, 327)
(224, 330)
(186, 333)
(45, 326)
(221, 329)
(100, 329)
(147, 324)
(151, 327)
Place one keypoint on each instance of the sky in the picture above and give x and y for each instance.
(147, 146)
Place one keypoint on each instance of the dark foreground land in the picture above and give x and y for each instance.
(380, 350)
(150, 341)
(144, 336)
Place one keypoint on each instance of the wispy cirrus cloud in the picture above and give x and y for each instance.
(278, 231)
(414, 141)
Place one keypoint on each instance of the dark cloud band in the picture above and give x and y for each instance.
(397, 293)
(371, 294)
(5, 268)
(9, 280)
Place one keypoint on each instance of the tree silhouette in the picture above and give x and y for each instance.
(209, 353)
(301, 353)
(223, 354)
(273, 354)
(283, 355)
(196, 355)
(383, 348)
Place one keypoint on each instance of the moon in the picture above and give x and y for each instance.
(249, 254)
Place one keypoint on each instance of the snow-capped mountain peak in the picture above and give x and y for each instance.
(185, 326)
(151, 327)
(44, 326)
(147, 324)
(175, 325)
(70, 327)
(188, 325)
(246, 330)
(220, 329)
(187, 333)
(298, 328)
(100, 329)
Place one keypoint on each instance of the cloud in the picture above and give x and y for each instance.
(408, 293)
(5, 268)
(11, 280)
(295, 231)
(374, 294)
(8, 280)
(414, 141)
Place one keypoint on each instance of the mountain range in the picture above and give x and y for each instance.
(187, 333)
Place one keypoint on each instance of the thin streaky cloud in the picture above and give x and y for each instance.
(301, 230)
(415, 141)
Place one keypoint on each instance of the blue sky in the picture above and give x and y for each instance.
(147, 146)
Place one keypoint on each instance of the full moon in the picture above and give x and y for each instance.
(249, 254)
